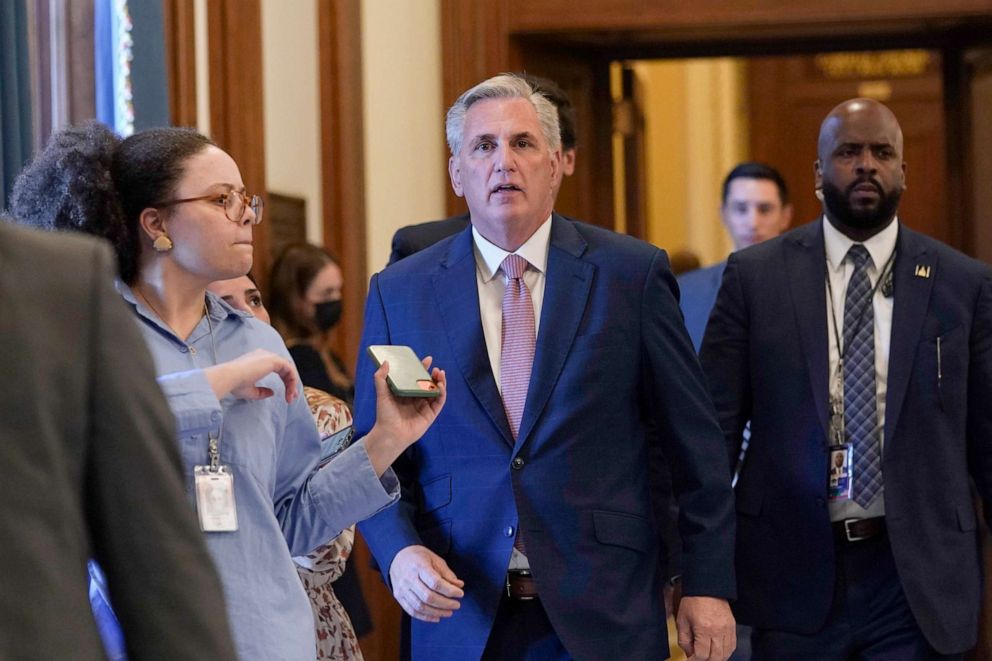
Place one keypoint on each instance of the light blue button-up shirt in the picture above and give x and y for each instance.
(285, 506)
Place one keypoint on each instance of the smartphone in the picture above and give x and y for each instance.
(407, 376)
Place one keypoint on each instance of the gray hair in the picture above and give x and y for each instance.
(503, 86)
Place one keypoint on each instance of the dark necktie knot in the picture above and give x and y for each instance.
(514, 266)
(859, 256)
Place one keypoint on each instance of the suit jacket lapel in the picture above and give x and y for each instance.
(566, 290)
(805, 266)
(912, 297)
(458, 302)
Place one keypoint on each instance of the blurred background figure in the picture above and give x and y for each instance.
(305, 303)
(683, 261)
(755, 207)
(323, 568)
(242, 294)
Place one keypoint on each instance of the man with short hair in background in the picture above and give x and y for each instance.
(754, 207)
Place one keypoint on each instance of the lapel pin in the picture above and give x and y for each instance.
(922, 271)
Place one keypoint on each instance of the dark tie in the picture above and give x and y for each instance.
(516, 349)
(860, 416)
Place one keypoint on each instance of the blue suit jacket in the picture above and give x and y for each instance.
(766, 356)
(612, 353)
(697, 295)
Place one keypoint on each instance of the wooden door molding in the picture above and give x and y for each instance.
(180, 56)
(482, 37)
(342, 156)
(237, 122)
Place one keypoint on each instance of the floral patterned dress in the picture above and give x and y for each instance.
(336, 637)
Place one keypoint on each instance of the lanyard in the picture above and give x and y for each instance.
(213, 445)
(837, 402)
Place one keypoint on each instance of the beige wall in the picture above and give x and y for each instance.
(405, 160)
(292, 104)
(405, 178)
(695, 131)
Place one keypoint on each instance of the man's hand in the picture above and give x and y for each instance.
(707, 630)
(424, 585)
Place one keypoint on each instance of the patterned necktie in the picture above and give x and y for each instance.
(517, 347)
(860, 417)
(517, 350)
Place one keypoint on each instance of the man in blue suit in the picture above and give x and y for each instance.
(855, 343)
(755, 207)
(526, 528)
(414, 238)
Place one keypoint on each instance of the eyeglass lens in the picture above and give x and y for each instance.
(234, 206)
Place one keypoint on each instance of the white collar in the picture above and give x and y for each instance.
(534, 250)
(880, 246)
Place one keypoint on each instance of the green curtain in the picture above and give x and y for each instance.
(15, 95)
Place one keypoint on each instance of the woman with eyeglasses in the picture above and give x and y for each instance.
(176, 209)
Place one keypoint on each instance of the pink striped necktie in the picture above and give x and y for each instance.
(517, 350)
(517, 347)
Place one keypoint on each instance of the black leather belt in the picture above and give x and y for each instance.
(858, 530)
(520, 585)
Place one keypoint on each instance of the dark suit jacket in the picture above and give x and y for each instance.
(697, 295)
(414, 238)
(612, 353)
(89, 468)
(766, 356)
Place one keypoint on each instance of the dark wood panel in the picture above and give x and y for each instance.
(180, 54)
(788, 99)
(588, 193)
(236, 110)
(637, 15)
(342, 157)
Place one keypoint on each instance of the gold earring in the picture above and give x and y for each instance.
(162, 243)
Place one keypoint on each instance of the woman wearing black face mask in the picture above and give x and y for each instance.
(305, 303)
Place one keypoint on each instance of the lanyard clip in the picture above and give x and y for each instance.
(213, 452)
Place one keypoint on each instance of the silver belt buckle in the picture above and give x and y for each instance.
(847, 531)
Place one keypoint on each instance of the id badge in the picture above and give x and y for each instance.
(841, 462)
(215, 499)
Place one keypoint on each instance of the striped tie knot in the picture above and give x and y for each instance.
(514, 266)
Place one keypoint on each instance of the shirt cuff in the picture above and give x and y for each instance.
(346, 489)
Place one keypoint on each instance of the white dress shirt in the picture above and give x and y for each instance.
(839, 270)
(488, 261)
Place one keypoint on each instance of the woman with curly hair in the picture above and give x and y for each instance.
(186, 221)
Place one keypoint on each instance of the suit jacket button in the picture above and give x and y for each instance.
(508, 531)
(517, 463)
